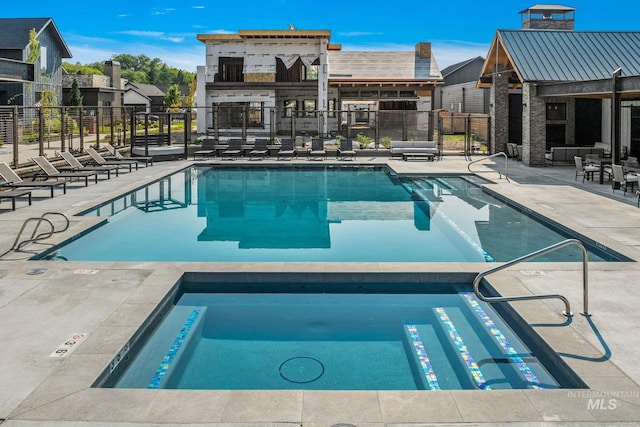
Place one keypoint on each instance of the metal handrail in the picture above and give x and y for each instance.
(567, 311)
(18, 244)
(506, 165)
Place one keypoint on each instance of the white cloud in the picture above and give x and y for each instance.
(173, 39)
(359, 34)
(139, 33)
(198, 7)
(449, 52)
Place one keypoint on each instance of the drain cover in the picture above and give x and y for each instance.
(301, 370)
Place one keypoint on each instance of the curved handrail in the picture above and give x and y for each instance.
(506, 165)
(567, 312)
(18, 244)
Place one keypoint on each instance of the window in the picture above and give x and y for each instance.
(556, 111)
(310, 72)
(230, 114)
(230, 69)
(309, 106)
(43, 58)
(331, 105)
(290, 107)
(298, 72)
(255, 115)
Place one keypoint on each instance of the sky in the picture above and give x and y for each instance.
(458, 30)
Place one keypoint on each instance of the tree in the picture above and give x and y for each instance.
(191, 97)
(34, 47)
(75, 98)
(78, 68)
(173, 98)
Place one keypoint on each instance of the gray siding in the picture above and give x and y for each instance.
(462, 98)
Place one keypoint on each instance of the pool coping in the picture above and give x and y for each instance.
(65, 393)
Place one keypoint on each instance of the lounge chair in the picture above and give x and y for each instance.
(317, 149)
(585, 170)
(208, 148)
(259, 148)
(234, 150)
(75, 165)
(13, 180)
(99, 160)
(13, 195)
(286, 148)
(346, 149)
(116, 155)
(50, 171)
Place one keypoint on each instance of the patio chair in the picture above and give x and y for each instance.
(346, 149)
(622, 179)
(585, 170)
(260, 149)
(234, 150)
(13, 195)
(99, 160)
(208, 148)
(114, 154)
(317, 149)
(75, 165)
(13, 180)
(286, 148)
(50, 171)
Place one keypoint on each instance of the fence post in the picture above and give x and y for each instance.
(40, 131)
(81, 127)
(404, 126)
(376, 136)
(15, 136)
(63, 120)
(272, 125)
(97, 128)
(111, 124)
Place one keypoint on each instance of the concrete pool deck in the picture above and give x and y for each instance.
(43, 304)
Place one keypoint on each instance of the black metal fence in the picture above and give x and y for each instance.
(26, 132)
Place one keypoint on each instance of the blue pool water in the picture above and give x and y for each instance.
(314, 214)
(442, 340)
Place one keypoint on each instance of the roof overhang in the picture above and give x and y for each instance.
(388, 83)
(628, 88)
(498, 60)
(267, 34)
(16, 71)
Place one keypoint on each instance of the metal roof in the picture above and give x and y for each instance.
(560, 55)
(14, 33)
(548, 7)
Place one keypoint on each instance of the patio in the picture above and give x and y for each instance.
(43, 303)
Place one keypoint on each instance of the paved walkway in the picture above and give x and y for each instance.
(43, 304)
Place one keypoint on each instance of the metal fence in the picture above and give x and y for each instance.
(372, 128)
(26, 132)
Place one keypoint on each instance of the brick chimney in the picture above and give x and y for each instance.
(423, 49)
(112, 69)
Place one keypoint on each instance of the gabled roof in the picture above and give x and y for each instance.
(360, 65)
(561, 56)
(455, 67)
(15, 33)
(145, 89)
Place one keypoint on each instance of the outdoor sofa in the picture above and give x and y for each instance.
(414, 148)
(566, 153)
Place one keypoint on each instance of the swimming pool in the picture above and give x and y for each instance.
(319, 213)
(320, 336)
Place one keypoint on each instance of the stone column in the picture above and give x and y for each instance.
(534, 129)
(499, 111)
